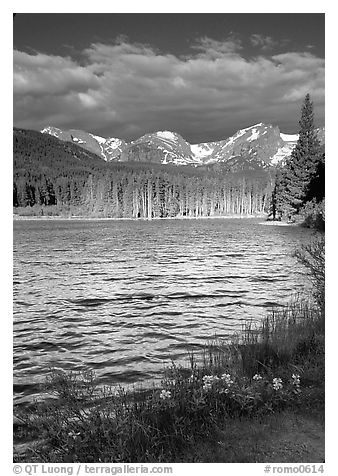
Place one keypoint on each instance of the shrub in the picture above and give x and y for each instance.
(312, 256)
(313, 215)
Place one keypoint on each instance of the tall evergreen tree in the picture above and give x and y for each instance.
(301, 167)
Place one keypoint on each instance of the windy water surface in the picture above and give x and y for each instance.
(126, 297)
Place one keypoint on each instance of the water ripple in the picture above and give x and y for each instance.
(126, 297)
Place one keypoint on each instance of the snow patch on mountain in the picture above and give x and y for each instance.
(113, 143)
(238, 134)
(77, 140)
(281, 154)
(201, 150)
(241, 132)
(100, 140)
(285, 150)
(289, 137)
(167, 135)
(230, 141)
(254, 135)
(53, 131)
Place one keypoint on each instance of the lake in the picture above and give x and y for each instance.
(125, 297)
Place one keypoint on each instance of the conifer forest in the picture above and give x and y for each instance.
(55, 177)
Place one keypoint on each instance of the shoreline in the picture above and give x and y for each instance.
(278, 223)
(302, 405)
(84, 218)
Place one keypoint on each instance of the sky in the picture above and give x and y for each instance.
(202, 75)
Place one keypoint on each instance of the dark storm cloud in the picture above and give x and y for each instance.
(126, 89)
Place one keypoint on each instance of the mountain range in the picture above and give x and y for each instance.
(255, 147)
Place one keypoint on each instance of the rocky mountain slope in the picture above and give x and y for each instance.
(108, 149)
(257, 146)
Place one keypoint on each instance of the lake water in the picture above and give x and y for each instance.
(125, 297)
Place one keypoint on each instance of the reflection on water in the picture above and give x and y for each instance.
(125, 297)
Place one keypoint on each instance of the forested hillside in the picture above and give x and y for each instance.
(52, 176)
(56, 177)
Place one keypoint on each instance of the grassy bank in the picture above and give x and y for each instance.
(233, 403)
(276, 368)
(80, 213)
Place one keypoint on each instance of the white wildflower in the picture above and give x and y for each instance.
(165, 394)
(210, 378)
(296, 383)
(227, 379)
(208, 381)
(73, 435)
(257, 377)
(277, 383)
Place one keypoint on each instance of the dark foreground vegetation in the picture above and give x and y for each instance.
(234, 403)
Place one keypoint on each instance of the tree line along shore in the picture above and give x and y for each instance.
(53, 178)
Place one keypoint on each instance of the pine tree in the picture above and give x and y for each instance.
(301, 167)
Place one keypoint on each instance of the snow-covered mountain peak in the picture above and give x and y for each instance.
(108, 149)
(53, 131)
(252, 131)
(257, 146)
(167, 135)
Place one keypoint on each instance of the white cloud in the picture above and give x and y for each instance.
(42, 74)
(128, 89)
